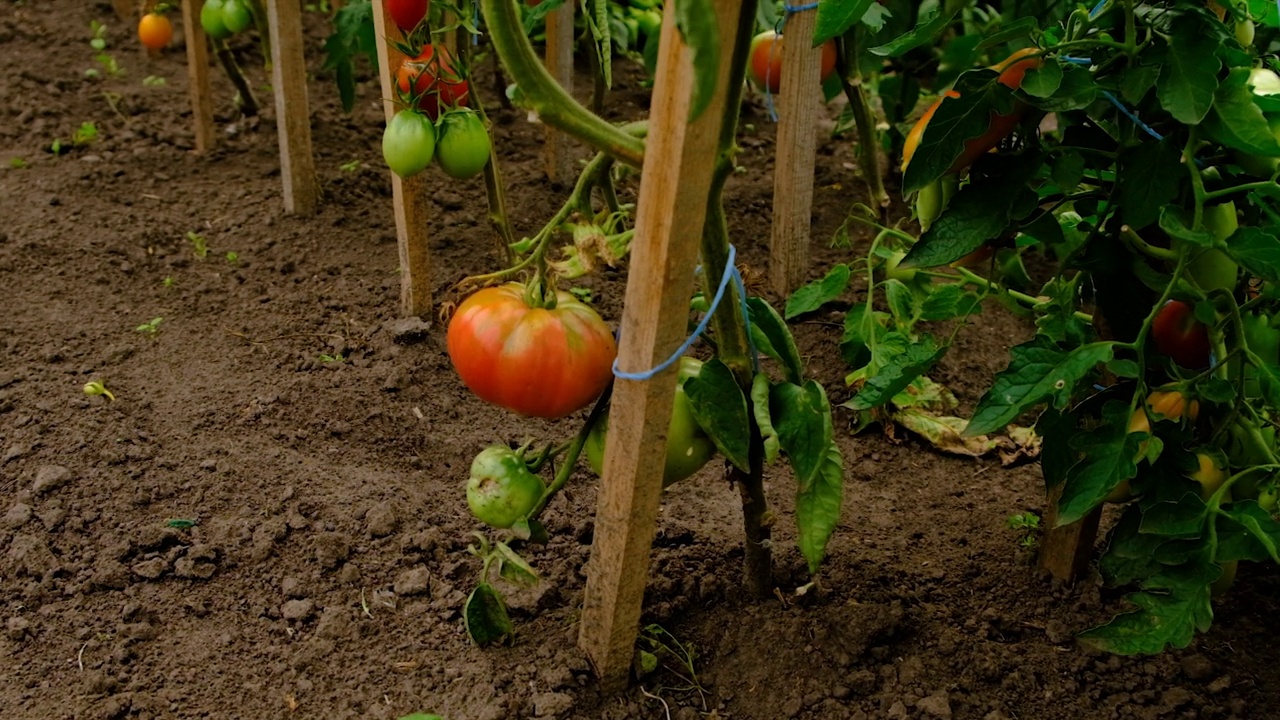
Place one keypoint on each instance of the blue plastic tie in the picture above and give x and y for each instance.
(1101, 4)
(792, 9)
(1129, 114)
(729, 273)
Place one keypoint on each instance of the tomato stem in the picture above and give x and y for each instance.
(248, 103)
(544, 95)
(863, 118)
(573, 450)
(1131, 236)
(495, 188)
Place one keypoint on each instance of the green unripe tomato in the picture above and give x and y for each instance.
(1225, 580)
(1245, 32)
(463, 146)
(929, 204)
(1267, 498)
(408, 143)
(893, 272)
(688, 447)
(501, 489)
(236, 16)
(211, 20)
(1213, 269)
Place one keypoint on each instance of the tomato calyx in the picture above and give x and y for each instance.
(537, 294)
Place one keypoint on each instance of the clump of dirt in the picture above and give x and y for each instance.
(268, 521)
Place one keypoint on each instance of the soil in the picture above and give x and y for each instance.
(319, 445)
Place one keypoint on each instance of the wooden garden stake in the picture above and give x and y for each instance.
(678, 168)
(198, 75)
(799, 101)
(1066, 551)
(293, 116)
(409, 196)
(559, 62)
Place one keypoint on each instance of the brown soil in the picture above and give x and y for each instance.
(326, 569)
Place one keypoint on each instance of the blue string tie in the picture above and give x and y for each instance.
(782, 22)
(730, 274)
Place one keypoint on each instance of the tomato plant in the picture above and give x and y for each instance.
(541, 360)
(463, 148)
(408, 143)
(688, 448)
(155, 31)
(432, 81)
(766, 60)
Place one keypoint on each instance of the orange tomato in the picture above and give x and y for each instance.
(765, 64)
(155, 31)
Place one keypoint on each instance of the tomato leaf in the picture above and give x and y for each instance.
(1148, 179)
(1038, 371)
(1189, 76)
(1074, 90)
(955, 122)
(1108, 460)
(818, 507)
(772, 337)
(948, 302)
(485, 616)
(538, 13)
(1130, 555)
(353, 35)
(596, 13)
(513, 568)
(802, 416)
(760, 408)
(897, 374)
(1259, 526)
(721, 411)
(816, 294)
(835, 17)
(928, 25)
(1174, 221)
(1019, 29)
(978, 213)
(1044, 81)
(1257, 249)
(1161, 620)
(859, 332)
(696, 20)
(1266, 12)
(1181, 519)
(1236, 120)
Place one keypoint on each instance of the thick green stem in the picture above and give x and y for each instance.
(865, 121)
(574, 450)
(544, 95)
(248, 103)
(264, 30)
(728, 326)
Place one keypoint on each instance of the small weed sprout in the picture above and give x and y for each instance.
(153, 81)
(1028, 527)
(199, 245)
(95, 387)
(150, 328)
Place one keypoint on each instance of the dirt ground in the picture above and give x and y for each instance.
(320, 444)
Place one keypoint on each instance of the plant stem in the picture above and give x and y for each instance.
(262, 25)
(575, 449)
(729, 327)
(248, 103)
(974, 279)
(495, 189)
(544, 95)
(864, 120)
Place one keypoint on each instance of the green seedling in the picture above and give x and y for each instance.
(17, 163)
(660, 647)
(233, 257)
(332, 358)
(168, 282)
(199, 245)
(153, 81)
(151, 327)
(350, 166)
(95, 387)
(1027, 525)
(85, 134)
(99, 43)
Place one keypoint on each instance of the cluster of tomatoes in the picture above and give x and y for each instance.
(435, 123)
(223, 18)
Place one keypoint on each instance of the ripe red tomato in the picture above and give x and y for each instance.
(406, 14)
(766, 60)
(155, 31)
(540, 362)
(433, 79)
(1179, 335)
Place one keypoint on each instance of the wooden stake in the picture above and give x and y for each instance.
(293, 116)
(1066, 551)
(198, 75)
(559, 61)
(409, 197)
(799, 102)
(672, 207)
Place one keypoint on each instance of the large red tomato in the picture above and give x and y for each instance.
(406, 14)
(1178, 334)
(541, 362)
(766, 60)
(433, 78)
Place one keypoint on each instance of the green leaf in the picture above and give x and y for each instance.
(1237, 121)
(1148, 179)
(513, 568)
(956, 121)
(485, 617)
(1023, 27)
(897, 374)
(1067, 172)
(947, 302)
(928, 25)
(1161, 620)
(1257, 249)
(819, 293)
(1130, 555)
(1057, 455)
(1174, 221)
(1136, 81)
(802, 416)
(1038, 371)
(1108, 460)
(596, 13)
(696, 20)
(1182, 519)
(818, 507)
(1075, 91)
(773, 338)
(859, 331)
(977, 214)
(1044, 81)
(760, 408)
(1189, 76)
(1258, 524)
(1266, 12)
(353, 34)
(721, 411)
(835, 17)
(902, 303)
